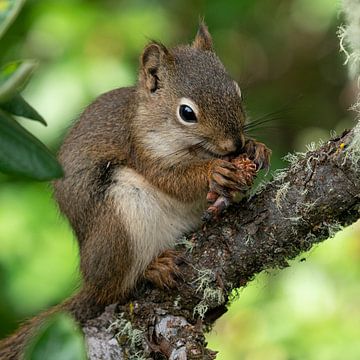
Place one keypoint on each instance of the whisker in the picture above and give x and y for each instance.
(184, 151)
(276, 115)
(259, 123)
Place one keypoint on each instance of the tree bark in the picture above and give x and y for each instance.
(303, 205)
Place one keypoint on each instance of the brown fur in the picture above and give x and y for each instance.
(136, 177)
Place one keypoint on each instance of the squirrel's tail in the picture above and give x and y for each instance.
(81, 306)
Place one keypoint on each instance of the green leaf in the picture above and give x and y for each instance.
(8, 12)
(22, 154)
(19, 107)
(58, 339)
(13, 77)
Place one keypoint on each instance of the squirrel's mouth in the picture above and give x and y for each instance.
(207, 151)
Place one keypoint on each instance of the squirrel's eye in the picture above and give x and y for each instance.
(187, 114)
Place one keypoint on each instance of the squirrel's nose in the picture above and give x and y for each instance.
(228, 145)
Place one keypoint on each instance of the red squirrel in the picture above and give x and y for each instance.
(138, 165)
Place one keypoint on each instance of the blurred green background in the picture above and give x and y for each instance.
(284, 53)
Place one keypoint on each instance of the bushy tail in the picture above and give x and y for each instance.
(81, 306)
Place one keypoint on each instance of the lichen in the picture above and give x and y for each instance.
(349, 36)
(187, 244)
(281, 194)
(200, 310)
(248, 239)
(205, 278)
(294, 219)
(177, 301)
(256, 190)
(353, 151)
(293, 159)
(125, 333)
(311, 147)
(279, 175)
(308, 206)
(210, 294)
(333, 228)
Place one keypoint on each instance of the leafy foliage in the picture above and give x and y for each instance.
(58, 339)
(20, 152)
(8, 12)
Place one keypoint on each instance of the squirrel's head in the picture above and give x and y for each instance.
(188, 100)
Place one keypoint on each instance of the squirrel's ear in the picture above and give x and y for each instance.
(203, 40)
(153, 57)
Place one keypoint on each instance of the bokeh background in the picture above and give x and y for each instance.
(285, 55)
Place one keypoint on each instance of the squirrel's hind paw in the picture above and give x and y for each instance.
(164, 270)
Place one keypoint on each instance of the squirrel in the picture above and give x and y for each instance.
(139, 164)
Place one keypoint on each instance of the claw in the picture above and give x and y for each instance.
(259, 153)
(164, 270)
(226, 179)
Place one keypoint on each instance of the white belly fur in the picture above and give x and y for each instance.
(154, 219)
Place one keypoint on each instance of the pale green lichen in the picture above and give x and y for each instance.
(333, 134)
(214, 295)
(248, 239)
(294, 219)
(138, 356)
(281, 194)
(205, 278)
(256, 190)
(210, 294)
(127, 334)
(293, 160)
(349, 36)
(311, 147)
(200, 310)
(187, 244)
(308, 206)
(334, 228)
(353, 151)
(177, 301)
(279, 175)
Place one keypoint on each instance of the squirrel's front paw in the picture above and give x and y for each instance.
(225, 180)
(225, 176)
(164, 270)
(259, 153)
(229, 176)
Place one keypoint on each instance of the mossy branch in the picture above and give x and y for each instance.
(305, 204)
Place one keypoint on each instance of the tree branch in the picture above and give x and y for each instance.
(304, 204)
